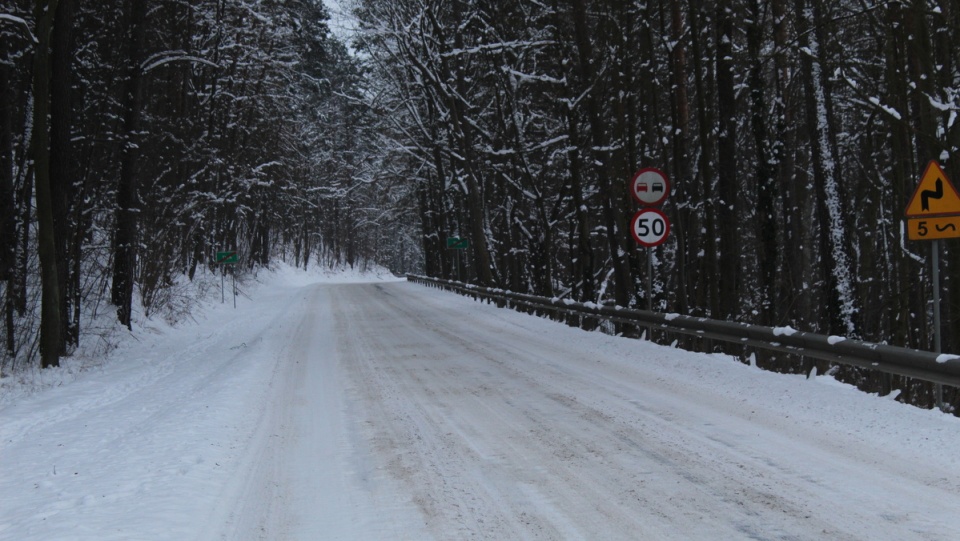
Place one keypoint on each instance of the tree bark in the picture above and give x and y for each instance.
(61, 166)
(687, 246)
(126, 227)
(50, 341)
(8, 224)
(767, 213)
(708, 292)
(727, 217)
(791, 298)
(583, 266)
(834, 262)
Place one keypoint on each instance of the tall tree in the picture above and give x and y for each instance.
(767, 196)
(8, 226)
(727, 166)
(835, 267)
(606, 168)
(125, 236)
(50, 341)
(62, 178)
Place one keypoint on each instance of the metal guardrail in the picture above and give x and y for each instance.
(937, 368)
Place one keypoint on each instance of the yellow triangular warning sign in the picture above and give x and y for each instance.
(935, 195)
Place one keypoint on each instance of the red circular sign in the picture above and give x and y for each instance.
(650, 227)
(650, 187)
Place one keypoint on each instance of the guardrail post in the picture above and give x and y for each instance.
(886, 384)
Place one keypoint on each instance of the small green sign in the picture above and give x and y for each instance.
(458, 243)
(227, 257)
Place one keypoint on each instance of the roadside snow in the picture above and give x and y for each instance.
(394, 411)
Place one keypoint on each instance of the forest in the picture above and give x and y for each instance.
(139, 138)
(793, 134)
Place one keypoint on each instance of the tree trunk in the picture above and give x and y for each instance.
(767, 213)
(834, 263)
(61, 166)
(789, 305)
(727, 217)
(50, 341)
(583, 266)
(126, 228)
(8, 224)
(708, 296)
(903, 170)
(687, 226)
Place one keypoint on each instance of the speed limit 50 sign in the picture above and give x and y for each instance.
(650, 227)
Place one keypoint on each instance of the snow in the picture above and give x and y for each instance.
(360, 407)
(945, 358)
(784, 331)
(22, 22)
(887, 109)
(834, 340)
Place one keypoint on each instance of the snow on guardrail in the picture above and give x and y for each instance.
(943, 369)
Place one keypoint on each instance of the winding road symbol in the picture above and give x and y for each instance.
(934, 195)
(927, 195)
(933, 212)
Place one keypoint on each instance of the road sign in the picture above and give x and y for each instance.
(934, 196)
(650, 187)
(933, 214)
(937, 227)
(227, 257)
(458, 243)
(650, 227)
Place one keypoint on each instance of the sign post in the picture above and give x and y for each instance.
(228, 258)
(649, 226)
(458, 243)
(933, 213)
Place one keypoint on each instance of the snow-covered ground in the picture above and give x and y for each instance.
(387, 410)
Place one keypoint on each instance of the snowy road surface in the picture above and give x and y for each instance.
(393, 411)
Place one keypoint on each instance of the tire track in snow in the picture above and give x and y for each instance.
(498, 433)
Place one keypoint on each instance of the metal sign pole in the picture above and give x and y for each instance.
(650, 290)
(650, 226)
(650, 279)
(937, 345)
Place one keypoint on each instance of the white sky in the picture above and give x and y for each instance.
(342, 22)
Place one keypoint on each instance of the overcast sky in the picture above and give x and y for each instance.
(342, 22)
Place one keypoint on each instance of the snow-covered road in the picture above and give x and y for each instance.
(393, 411)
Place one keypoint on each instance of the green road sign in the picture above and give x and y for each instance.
(458, 243)
(227, 257)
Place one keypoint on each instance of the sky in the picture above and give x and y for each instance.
(342, 23)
